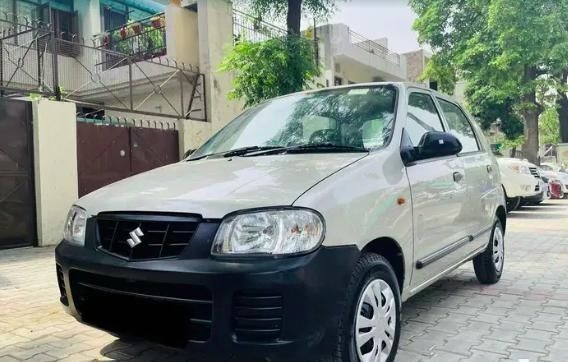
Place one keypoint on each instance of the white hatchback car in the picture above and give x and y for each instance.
(295, 232)
(521, 181)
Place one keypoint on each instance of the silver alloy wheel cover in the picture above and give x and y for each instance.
(498, 249)
(381, 327)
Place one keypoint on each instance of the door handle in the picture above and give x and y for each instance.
(458, 176)
(489, 168)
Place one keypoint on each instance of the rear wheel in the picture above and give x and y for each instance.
(370, 327)
(488, 265)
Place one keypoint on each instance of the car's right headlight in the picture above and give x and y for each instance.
(269, 232)
(75, 225)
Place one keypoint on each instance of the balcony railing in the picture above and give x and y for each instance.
(373, 47)
(143, 39)
(250, 28)
(100, 79)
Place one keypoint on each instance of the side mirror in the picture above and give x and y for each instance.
(437, 144)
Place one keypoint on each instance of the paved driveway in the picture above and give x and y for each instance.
(524, 317)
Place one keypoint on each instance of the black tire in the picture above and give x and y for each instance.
(513, 203)
(370, 267)
(484, 264)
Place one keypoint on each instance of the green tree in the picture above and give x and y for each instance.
(508, 48)
(549, 126)
(277, 66)
(271, 68)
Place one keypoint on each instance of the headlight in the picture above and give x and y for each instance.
(270, 232)
(74, 230)
(522, 169)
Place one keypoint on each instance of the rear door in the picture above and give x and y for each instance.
(439, 195)
(479, 170)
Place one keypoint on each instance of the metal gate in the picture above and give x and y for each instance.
(17, 193)
(110, 152)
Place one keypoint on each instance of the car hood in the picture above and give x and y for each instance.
(555, 175)
(216, 187)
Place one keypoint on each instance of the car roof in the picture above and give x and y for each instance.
(405, 85)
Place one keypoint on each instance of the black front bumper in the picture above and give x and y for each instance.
(535, 199)
(285, 309)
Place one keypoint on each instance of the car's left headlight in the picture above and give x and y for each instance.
(522, 169)
(269, 232)
(74, 230)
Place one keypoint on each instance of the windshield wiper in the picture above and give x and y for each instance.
(310, 147)
(244, 150)
(264, 150)
(236, 152)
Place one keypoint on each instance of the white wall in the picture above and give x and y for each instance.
(216, 36)
(89, 18)
(55, 159)
(182, 38)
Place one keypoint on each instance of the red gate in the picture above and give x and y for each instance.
(108, 153)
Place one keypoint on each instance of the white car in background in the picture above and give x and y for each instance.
(520, 179)
(556, 172)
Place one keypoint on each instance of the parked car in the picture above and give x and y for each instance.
(555, 189)
(546, 185)
(557, 173)
(293, 233)
(542, 187)
(520, 181)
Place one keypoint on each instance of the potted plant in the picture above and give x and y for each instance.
(136, 27)
(158, 22)
(105, 40)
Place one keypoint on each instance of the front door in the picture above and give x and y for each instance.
(480, 173)
(439, 196)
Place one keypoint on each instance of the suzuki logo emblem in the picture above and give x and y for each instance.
(135, 237)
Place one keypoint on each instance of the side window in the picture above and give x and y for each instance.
(422, 117)
(459, 126)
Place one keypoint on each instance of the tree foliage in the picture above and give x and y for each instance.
(272, 68)
(549, 126)
(507, 51)
(278, 66)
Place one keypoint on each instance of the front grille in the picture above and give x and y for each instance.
(257, 316)
(534, 172)
(61, 284)
(166, 312)
(160, 236)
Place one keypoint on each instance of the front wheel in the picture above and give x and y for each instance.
(488, 265)
(370, 326)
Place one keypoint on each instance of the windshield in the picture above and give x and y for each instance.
(361, 118)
